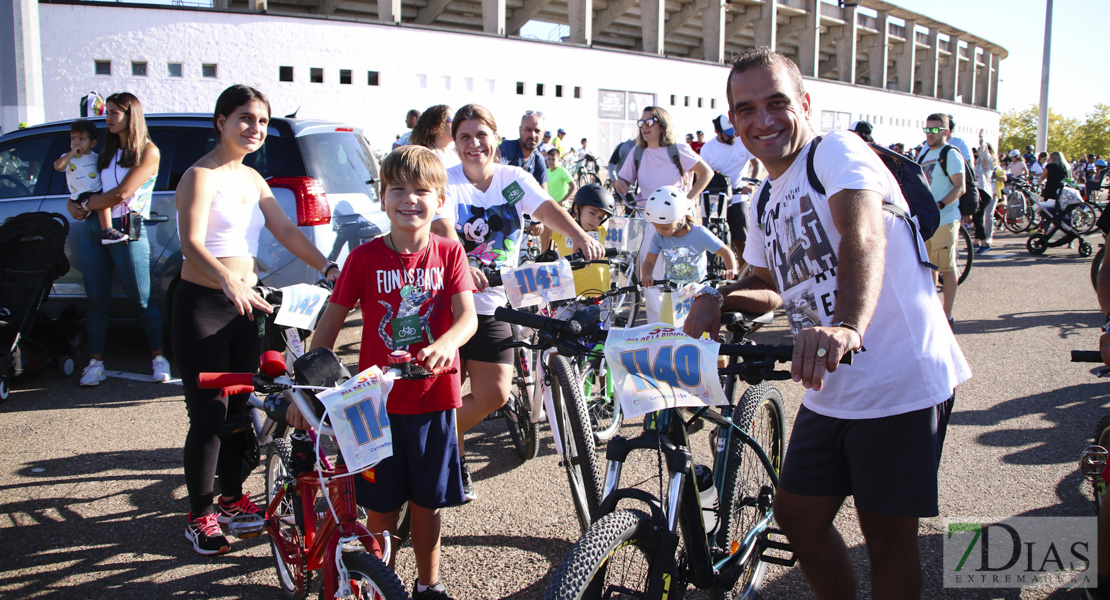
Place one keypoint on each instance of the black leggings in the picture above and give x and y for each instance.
(209, 335)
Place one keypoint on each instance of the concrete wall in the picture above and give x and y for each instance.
(417, 68)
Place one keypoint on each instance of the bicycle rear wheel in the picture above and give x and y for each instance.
(601, 402)
(625, 308)
(748, 491)
(965, 254)
(579, 454)
(1019, 212)
(1096, 264)
(371, 579)
(518, 416)
(1082, 217)
(1102, 438)
(612, 560)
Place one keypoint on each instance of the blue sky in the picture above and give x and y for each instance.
(1078, 78)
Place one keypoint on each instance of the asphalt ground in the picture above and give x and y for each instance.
(92, 496)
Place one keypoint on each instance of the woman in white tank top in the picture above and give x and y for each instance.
(222, 206)
(128, 166)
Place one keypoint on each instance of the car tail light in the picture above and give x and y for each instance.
(312, 202)
(345, 129)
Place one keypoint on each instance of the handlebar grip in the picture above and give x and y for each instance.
(1088, 356)
(494, 278)
(218, 380)
(444, 371)
(534, 321)
(231, 390)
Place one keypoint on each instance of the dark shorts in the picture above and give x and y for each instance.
(738, 221)
(424, 467)
(484, 345)
(888, 464)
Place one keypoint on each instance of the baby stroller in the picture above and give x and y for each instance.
(1060, 218)
(32, 256)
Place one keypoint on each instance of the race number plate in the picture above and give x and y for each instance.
(301, 305)
(657, 366)
(535, 283)
(670, 308)
(617, 231)
(357, 414)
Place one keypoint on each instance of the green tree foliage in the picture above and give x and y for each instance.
(1065, 134)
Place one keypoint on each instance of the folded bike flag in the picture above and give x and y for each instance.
(357, 414)
(656, 366)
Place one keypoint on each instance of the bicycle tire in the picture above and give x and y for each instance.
(761, 416)
(367, 570)
(517, 413)
(619, 548)
(1102, 438)
(579, 453)
(601, 402)
(278, 461)
(586, 178)
(1015, 221)
(1096, 264)
(1082, 217)
(965, 254)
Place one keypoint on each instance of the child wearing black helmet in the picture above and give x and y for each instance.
(593, 205)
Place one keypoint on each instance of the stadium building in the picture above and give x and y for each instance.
(368, 62)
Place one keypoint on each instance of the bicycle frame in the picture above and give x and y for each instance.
(324, 539)
(683, 506)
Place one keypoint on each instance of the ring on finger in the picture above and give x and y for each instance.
(822, 353)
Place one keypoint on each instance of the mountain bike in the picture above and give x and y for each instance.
(304, 540)
(661, 551)
(557, 387)
(584, 171)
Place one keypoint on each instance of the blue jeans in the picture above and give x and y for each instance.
(131, 262)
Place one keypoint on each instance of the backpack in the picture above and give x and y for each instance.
(91, 105)
(969, 201)
(923, 216)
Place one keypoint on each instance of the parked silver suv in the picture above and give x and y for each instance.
(323, 175)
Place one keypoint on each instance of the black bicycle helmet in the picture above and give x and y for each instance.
(597, 196)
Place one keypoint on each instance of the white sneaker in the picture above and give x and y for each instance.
(93, 374)
(161, 369)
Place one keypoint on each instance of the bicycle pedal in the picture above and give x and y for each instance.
(765, 544)
(246, 526)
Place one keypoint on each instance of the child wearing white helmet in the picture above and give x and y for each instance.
(682, 244)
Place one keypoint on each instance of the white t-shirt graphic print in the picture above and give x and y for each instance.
(912, 360)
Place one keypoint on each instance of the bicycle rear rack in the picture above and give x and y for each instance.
(766, 544)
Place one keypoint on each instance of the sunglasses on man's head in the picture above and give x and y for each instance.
(646, 122)
(529, 113)
(934, 129)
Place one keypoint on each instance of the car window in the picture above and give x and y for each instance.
(278, 156)
(25, 166)
(168, 148)
(341, 161)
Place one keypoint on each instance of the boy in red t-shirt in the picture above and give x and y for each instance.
(416, 294)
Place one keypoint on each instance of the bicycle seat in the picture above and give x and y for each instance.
(730, 317)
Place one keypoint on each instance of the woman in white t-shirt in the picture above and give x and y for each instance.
(433, 131)
(485, 208)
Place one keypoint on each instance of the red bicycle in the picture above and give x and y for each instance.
(304, 538)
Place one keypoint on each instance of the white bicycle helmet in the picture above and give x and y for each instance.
(1014, 153)
(666, 205)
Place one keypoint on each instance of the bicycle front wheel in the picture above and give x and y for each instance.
(624, 309)
(579, 454)
(518, 417)
(613, 560)
(371, 579)
(1102, 438)
(748, 490)
(1096, 264)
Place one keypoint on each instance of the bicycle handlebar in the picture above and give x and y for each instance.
(537, 322)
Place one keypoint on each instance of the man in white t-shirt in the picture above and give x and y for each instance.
(947, 187)
(727, 155)
(849, 275)
(410, 121)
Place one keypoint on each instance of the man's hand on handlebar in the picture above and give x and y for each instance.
(704, 317)
(818, 350)
(591, 249)
(620, 186)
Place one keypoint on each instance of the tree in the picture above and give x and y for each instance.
(1095, 132)
(1065, 134)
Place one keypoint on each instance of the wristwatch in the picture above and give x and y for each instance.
(328, 267)
(709, 290)
(853, 328)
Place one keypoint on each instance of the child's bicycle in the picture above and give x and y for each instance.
(660, 551)
(303, 541)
